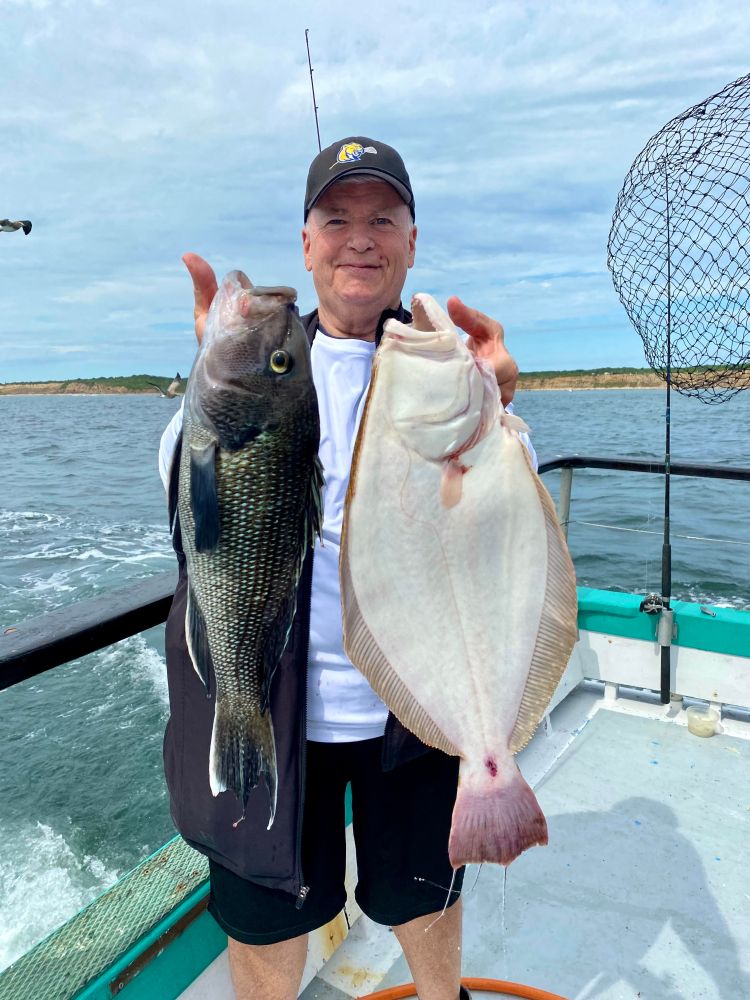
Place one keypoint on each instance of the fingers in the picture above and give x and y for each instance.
(508, 387)
(471, 321)
(204, 289)
(487, 340)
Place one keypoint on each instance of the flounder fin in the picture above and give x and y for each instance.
(496, 823)
(514, 423)
(369, 659)
(197, 640)
(204, 502)
(558, 625)
(243, 749)
(451, 482)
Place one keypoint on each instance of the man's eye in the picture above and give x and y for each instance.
(382, 221)
(335, 222)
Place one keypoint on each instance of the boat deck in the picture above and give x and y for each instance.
(642, 890)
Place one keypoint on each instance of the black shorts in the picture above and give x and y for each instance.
(401, 823)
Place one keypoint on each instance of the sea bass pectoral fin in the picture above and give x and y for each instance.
(314, 505)
(203, 497)
(494, 819)
(242, 749)
(197, 639)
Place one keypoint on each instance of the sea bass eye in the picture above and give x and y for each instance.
(280, 362)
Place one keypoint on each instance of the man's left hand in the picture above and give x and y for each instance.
(486, 340)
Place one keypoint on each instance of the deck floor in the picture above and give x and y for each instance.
(643, 890)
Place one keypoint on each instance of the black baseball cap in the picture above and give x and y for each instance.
(363, 156)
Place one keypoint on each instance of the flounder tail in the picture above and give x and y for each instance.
(494, 819)
(242, 750)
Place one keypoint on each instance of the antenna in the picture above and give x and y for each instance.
(312, 86)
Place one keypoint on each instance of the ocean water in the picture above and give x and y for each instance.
(82, 510)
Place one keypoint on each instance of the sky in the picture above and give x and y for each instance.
(134, 132)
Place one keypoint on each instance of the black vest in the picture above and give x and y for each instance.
(269, 857)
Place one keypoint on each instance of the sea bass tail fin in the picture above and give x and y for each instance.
(494, 820)
(243, 749)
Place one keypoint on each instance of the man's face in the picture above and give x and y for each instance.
(359, 243)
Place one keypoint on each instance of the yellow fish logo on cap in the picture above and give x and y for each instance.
(352, 151)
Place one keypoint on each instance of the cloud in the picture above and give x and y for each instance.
(135, 132)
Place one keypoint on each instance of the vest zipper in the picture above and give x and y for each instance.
(304, 889)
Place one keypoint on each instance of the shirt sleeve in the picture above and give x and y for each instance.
(168, 444)
(527, 441)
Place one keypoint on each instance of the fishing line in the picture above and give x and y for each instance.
(646, 531)
(447, 900)
(312, 87)
(427, 881)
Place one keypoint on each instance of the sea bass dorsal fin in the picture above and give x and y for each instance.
(203, 497)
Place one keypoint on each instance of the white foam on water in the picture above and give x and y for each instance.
(141, 660)
(118, 557)
(57, 583)
(16, 518)
(42, 885)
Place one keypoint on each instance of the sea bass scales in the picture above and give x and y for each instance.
(249, 506)
(458, 592)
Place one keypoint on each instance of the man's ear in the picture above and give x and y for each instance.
(306, 249)
(412, 245)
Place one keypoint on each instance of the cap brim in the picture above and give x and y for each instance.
(357, 171)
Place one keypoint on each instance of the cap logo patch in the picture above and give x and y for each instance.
(351, 152)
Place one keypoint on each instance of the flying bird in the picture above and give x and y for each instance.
(172, 388)
(6, 226)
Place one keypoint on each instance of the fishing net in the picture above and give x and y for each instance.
(679, 247)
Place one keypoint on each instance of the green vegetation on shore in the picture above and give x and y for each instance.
(576, 378)
(103, 384)
(587, 372)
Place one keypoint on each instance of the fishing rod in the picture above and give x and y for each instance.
(312, 87)
(666, 621)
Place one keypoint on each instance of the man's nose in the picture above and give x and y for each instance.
(360, 237)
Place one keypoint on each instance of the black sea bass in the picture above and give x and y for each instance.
(249, 507)
(457, 587)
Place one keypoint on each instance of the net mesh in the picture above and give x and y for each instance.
(679, 247)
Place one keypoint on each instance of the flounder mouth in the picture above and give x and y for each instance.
(431, 329)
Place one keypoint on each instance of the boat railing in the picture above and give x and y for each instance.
(164, 898)
(65, 634)
(569, 463)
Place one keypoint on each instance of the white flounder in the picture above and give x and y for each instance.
(458, 592)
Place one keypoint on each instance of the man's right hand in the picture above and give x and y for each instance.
(204, 289)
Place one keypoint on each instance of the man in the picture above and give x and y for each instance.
(270, 888)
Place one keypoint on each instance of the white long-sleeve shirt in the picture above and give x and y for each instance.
(341, 705)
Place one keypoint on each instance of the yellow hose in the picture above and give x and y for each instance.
(488, 985)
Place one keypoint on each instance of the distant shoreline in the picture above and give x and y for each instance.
(637, 379)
